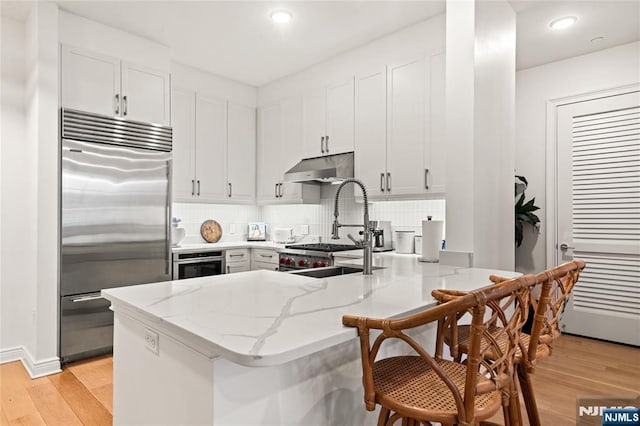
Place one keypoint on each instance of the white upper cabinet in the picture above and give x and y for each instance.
(145, 94)
(399, 129)
(371, 130)
(241, 152)
(90, 82)
(183, 103)
(105, 85)
(406, 128)
(280, 148)
(328, 117)
(213, 149)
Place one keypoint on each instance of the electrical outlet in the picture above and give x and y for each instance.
(305, 230)
(152, 341)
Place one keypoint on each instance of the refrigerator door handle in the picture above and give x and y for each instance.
(168, 218)
(87, 298)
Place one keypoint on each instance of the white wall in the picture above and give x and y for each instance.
(87, 34)
(186, 77)
(425, 37)
(18, 205)
(610, 68)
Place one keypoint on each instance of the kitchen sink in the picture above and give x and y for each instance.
(330, 271)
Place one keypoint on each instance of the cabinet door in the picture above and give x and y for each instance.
(90, 82)
(291, 149)
(184, 144)
(437, 152)
(314, 123)
(241, 152)
(145, 94)
(371, 131)
(406, 122)
(211, 149)
(269, 159)
(340, 117)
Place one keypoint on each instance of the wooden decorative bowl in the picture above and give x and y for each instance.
(211, 231)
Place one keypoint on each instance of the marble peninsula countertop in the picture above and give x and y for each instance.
(262, 318)
(191, 247)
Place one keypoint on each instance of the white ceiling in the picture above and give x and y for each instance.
(236, 39)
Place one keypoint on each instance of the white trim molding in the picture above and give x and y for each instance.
(552, 158)
(35, 369)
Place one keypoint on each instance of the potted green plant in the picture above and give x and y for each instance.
(524, 210)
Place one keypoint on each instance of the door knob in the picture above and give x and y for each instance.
(565, 246)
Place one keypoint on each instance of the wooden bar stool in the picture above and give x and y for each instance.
(421, 388)
(548, 304)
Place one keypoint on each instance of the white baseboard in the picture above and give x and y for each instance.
(35, 369)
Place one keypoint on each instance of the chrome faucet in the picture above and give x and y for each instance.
(366, 242)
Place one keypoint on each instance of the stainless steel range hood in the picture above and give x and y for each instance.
(329, 168)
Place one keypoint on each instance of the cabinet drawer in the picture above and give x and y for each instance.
(237, 255)
(256, 265)
(238, 267)
(265, 256)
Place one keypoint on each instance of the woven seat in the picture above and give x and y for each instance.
(399, 382)
(425, 388)
(555, 288)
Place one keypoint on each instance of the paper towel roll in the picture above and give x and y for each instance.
(431, 240)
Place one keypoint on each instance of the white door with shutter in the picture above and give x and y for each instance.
(598, 199)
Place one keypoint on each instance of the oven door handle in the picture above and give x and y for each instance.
(199, 260)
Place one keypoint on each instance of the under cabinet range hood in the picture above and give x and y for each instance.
(325, 169)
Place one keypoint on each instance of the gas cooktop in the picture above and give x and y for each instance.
(323, 247)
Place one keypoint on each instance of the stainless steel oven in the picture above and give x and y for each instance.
(198, 264)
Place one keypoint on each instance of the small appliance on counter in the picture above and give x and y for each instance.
(382, 240)
(282, 235)
(177, 233)
(257, 231)
(405, 242)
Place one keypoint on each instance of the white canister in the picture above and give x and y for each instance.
(404, 241)
(418, 244)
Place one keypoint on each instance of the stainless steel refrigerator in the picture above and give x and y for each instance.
(115, 221)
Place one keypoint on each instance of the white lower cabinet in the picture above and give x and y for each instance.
(237, 260)
(399, 129)
(264, 259)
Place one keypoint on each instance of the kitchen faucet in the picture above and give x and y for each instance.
(367, 233)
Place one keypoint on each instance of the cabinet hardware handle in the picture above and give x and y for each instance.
(230, 190)
(228, 269)
(117, 104)
(426, 178)
(565, 246)
(322, 144)
(388, 181)
(382, 182)
(326, 144)
(124, 105)
(276, 190)
(280, 190)
(266, 255)
(237, 255)
(193, 187)
(198, 188)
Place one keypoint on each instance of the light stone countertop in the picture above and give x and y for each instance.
(261, 318)
(185, 248)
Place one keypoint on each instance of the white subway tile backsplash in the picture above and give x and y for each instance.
(404, 215)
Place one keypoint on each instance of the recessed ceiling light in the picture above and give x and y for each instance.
(281, 16)
(562, 23)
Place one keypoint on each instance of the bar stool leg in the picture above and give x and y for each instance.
(528, 395)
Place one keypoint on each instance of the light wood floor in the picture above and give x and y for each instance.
(82, 393)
